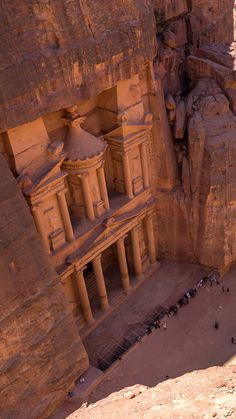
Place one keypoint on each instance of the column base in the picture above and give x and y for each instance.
(155, 264)
(139, 277)
(125, 284)
(89, 322)
(127, 291)
(104, 305)
(105, 308)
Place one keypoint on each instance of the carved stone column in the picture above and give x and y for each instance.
(65, 216)
(83, 296)
(127, 176)
(38, 222)
(69, 292)
(120, 245)
(87, 197)
(151, 239)
(136, 252)
(102, 292)
(103, 187)
(144, 161)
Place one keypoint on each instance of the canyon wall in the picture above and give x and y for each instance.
(58, 53)
(41, 352)
(54, 53)
(196, 216)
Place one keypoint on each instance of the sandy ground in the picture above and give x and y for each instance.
(190, 342)
(162, 289)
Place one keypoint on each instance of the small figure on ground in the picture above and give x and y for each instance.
(181, 302)
(223, 289)
(70, 394)
(175, 310)
(148, 331)
(216, 325)
(232, 340)
(164, 326)
(227, 290)
(185, 301)
(167, 377)
(192, 292)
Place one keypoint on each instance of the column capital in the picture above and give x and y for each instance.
(122, 239)
(136, 227)
(35, 207)
(126, 153)
(79, 270)
(62, 192)
(102, 164)
(149, 214)
(144, 142)
(83, 175)
(97, 258)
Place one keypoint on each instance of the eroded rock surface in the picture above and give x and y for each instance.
(41, 352)
(200, 394)
(212, 152)
(54, 53)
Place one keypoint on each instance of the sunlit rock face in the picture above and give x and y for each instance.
(212, 152)
(209, 392)
(54, 53)
(136, 70)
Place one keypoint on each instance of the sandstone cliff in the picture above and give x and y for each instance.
(54, 53)
(201, 394)
(199, 210)
(41, 353)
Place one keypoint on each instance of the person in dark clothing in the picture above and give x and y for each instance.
(148, 330)
(216, 325)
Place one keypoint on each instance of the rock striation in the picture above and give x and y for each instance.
(211, 180)
(41, 352)
(49, 61)
(156, 81)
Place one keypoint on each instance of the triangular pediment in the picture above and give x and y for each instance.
(52, 172)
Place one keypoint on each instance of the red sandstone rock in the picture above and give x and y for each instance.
(207, 393)
(176, 36)
(170, 103)
(41, 352)
(180, 120)
(49, 61)
(212, 149)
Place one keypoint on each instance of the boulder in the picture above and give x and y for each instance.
(206, 393)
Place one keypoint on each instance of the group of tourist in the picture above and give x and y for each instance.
(159, 320)
(211, 278)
